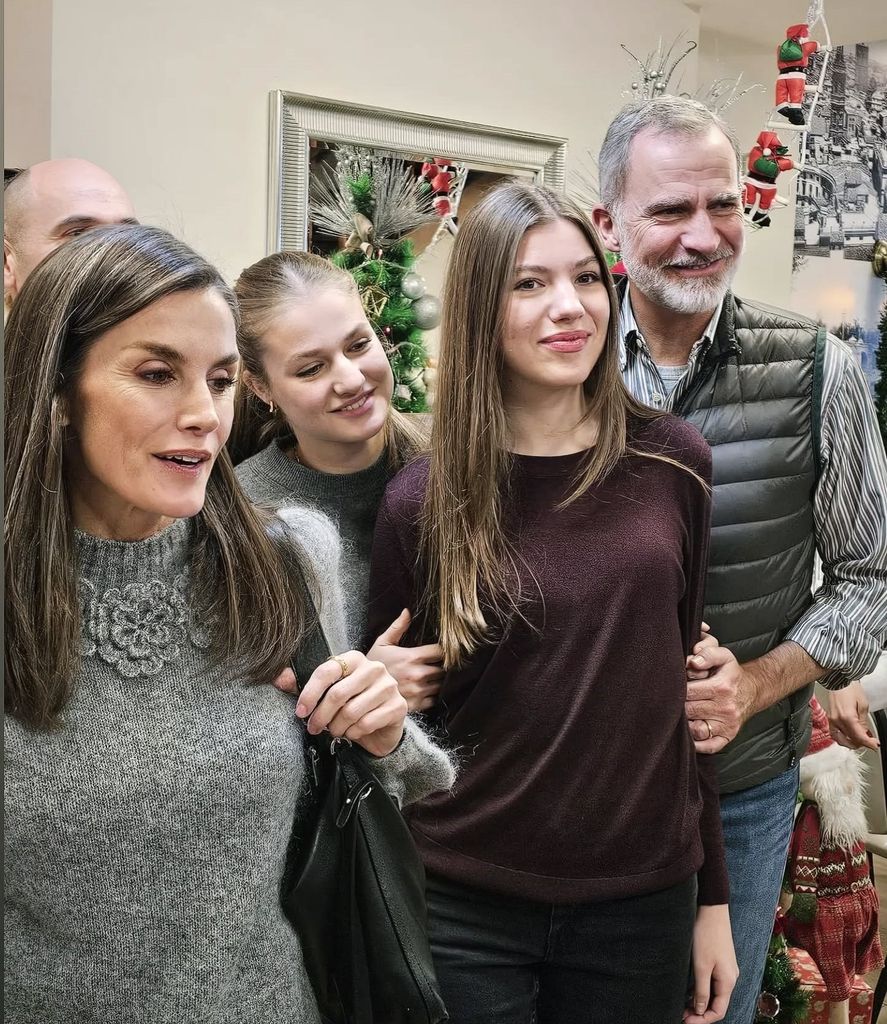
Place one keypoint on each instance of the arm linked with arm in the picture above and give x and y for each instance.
(392, 585)
(396, 642)
(841, 635)
(713, 886)
(418, 766)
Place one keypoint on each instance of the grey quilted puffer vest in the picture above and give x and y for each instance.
(757, 402)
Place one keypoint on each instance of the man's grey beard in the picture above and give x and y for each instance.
(694, 295)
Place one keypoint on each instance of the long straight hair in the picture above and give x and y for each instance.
(262, 290)
(464, 551)
(241, 581)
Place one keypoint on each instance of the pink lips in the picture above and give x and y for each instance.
(359, 406)
(569, 341)
(185, 462)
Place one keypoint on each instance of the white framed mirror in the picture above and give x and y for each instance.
(299, 122)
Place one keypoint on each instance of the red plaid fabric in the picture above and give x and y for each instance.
(843, 938)
(860, 994)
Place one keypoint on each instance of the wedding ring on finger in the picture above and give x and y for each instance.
(708, 726)
(343, 665)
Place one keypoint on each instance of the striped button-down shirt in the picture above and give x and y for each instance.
(845, 629)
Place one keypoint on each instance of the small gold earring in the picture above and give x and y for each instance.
(271, 408)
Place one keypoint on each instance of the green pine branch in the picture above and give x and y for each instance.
(781, 981)
(396, 323)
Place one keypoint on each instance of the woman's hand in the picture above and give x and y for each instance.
(418, 670)
(352, 697)
(714, 966)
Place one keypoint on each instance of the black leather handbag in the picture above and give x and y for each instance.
(354, 888)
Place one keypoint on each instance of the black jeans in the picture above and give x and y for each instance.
(505, 961)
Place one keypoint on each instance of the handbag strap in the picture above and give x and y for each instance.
(313, 648)
(357, 994)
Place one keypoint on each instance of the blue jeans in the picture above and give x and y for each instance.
(501, 960)
(757, 828)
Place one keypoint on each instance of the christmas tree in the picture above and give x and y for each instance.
(380, 280)
(376, 201)
(782, 998)
(881, 386)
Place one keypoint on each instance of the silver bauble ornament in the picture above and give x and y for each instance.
(412, 285)
(427, 312)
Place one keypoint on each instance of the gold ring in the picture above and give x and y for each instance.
(708, 726)
(346, 670)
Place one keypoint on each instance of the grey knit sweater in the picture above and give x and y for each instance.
(351, 500)
(145, 838)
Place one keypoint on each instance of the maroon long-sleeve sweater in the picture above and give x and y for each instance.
(579, 779)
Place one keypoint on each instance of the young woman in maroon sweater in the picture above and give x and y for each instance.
(555, 542)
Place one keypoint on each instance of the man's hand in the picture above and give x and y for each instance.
(848, 711)
(706, 641)
(718, 703)
(418, 670)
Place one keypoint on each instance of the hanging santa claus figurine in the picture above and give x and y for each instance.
(765, 162)
(793, 56)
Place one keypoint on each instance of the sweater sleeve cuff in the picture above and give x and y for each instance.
(714, 887)
(416, 767)
(845, 653)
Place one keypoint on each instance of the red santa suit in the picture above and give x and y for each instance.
(834, 909)
(765, 162)
(792, 57)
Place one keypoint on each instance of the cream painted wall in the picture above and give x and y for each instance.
(766, 269)
(27, 74)
(173, 97)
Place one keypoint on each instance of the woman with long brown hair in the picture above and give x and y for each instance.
(314, 427)
(555, 543)
(152, 773)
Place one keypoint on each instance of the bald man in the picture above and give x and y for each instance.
(49, 203)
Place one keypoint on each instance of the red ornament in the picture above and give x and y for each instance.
(429, 170)
(441, 182)
(441, 206)
(386, 331)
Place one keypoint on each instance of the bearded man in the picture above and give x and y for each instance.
(798, 468)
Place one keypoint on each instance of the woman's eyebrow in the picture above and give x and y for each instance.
(319, 353)
(173, 355)
(535, 268)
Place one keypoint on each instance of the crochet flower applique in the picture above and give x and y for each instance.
(140, 627)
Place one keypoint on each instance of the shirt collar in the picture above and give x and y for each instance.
(630, 334)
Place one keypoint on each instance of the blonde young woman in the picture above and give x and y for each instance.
(555, 542)
(315, 427)
(152, 772)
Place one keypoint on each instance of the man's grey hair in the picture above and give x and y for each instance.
(664, 115)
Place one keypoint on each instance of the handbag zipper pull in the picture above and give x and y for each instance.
(314, 762)
(359, 791)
